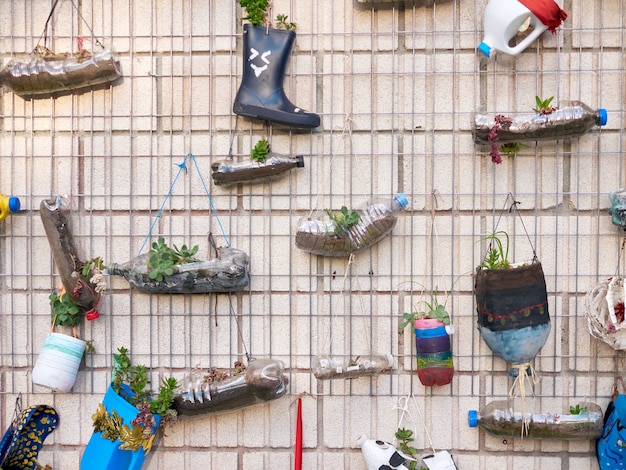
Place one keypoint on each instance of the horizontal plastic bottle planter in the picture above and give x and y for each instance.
(227, 273)
(326, 368)
(566, 122)
(377, 221)
(499, 419)
(262, 381)
(435, 365)
(42, 76)
(226, 172)
(101, 453)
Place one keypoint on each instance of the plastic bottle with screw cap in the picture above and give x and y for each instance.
(8, 205)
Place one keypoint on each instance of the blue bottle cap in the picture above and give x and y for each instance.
(401, 200)
(603, 116)
(472, 418)
(14, 204)
(485, 49)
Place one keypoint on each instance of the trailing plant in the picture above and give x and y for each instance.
(139, 434)
(498, 255)
(405, 438)
(433, 310)
(342, 221)
(258, 12)
(260, 151)
(163, 259)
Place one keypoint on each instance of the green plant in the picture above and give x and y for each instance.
(64, 311)
(258, 12)
(498, 255)
(260, 151)
(216, 375)
(576, 410)
(405, 438)
(434, 310)
(343, 221)
(139, 434)
(510, 149)
(163, 259)
(281, 22)
(543, 106)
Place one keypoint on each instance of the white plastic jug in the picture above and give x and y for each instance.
(502, 22)
(58, 362)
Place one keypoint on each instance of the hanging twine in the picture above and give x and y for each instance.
(522, 375)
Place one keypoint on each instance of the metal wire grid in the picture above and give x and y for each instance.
(397, 90)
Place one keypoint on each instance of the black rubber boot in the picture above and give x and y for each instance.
(261, 94)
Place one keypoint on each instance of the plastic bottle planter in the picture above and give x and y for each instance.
(226, 173)
(226, 273)
(435, 365)
(103, 454)
(512, 307)
(499, 419)
(604, 309)
(377, 220)
(326, 368)
(58, 362)
(566, 122)
(262, 381)
(617, 209)
(261, 95)
(504, 19)
(610, 446)
(47, 73)
(382, 455)
(54, 216)
(8, 205)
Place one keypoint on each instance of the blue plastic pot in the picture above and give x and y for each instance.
(101, 453)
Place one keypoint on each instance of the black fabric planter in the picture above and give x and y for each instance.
(512, 306)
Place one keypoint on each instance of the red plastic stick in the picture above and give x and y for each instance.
(298, 457)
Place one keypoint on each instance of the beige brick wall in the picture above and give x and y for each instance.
(396, 90)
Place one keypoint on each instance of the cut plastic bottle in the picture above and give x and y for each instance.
(227, 172)
(376, 221)
(573, 120)
(327, 367)
(499, 419)
(435, 365)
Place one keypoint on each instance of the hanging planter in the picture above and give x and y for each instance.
(58, 362)
(8, 205)
(126, 421)
(604, 310)
(618, 207)
(266, 52)
(327, 367)
(45, 72)
(349, 232)
(217, 391)
(262, 166)
(512, 305)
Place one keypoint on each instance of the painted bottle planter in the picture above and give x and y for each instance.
(262, 381)
(58, 362)
(376, 221)
(103, 454)
(227, 273)
(47, 73)
(226, 173)
(513, 317)
(567, 122)
(499, 419)
(618, 207)
(435, 365)
(326, 368)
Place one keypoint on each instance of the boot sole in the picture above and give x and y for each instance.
(304, 121)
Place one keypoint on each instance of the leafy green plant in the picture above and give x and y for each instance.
(576, 410)
(343, 221)
(510, 149)
(258, 13)
(543, 106)
(405, 438)
(433, 310)
(498, 255)
(163, 259)
(281, 22)
(64, 311)
(260, 151)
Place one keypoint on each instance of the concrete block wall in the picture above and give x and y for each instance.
(396, 90)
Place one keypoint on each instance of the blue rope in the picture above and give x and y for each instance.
(183, 166)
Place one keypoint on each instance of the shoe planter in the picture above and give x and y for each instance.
(435, 365)
(104, 454)
(226, 172)
(261, 94)
(47, 73)
(262, 381)
(227, 273)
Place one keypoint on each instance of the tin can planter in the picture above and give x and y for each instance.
(58, 362)
(512, 306)
(435, 365)
(103, 454)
